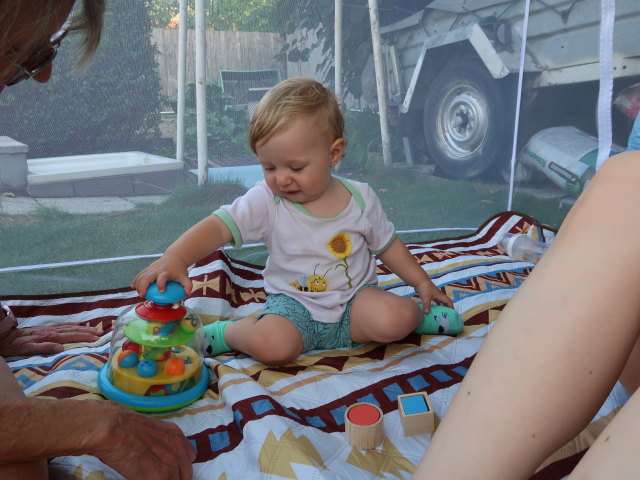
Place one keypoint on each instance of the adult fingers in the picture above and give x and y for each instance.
(33, 348)
(148, 448)
(58, 336)
(63, 328)
(169, 449)
(186, 458)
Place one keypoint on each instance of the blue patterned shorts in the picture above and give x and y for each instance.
(315, 335)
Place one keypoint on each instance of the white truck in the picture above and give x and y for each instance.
(453, 67)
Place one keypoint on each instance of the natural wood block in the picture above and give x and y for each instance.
(363, 425)
(416, 413)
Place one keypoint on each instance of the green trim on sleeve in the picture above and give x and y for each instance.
(231, 225)
(382, 250)
(354, 193)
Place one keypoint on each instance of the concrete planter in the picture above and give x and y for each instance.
(13, 165)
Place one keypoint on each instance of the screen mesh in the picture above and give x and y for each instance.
(90, 189)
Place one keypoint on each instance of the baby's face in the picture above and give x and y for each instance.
(297, 160)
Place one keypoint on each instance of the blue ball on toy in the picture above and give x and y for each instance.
(128, 359)
(147, 368)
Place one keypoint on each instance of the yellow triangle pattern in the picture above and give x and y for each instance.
(387, 460)
(276, 456)
(78, 474)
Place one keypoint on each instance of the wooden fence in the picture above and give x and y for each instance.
(225, 51)
(246, 51)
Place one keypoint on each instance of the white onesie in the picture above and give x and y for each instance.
(321, 262)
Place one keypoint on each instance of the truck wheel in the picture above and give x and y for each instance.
(468, 120)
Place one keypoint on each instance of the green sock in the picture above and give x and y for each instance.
(441, 321)
(214, 332)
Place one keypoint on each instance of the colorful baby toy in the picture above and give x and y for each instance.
(155, 362)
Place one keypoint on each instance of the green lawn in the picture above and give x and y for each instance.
(412, 198)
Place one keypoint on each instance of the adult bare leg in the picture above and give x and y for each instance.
(36, 469)
(559, 345)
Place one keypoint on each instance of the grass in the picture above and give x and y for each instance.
(415, 199)
(412, 198)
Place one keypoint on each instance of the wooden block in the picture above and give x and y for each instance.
(416, 413)
(363, 425)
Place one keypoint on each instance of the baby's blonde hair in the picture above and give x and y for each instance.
(290, 98)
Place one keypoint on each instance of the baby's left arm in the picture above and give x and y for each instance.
(400, 261)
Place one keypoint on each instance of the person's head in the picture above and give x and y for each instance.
(296, 133)
(31, 31)
(287, 100)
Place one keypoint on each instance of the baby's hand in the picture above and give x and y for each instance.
(428, 292)
(163, 270)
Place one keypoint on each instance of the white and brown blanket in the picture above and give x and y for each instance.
(257, 421)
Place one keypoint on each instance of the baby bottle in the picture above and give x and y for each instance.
(520, 246)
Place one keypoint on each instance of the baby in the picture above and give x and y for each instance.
(321, 232)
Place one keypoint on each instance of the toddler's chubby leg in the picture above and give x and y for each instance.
(381, 316)
(271, 339)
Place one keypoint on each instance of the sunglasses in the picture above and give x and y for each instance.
(38, 61)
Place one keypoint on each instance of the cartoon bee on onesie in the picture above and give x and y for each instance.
(312, 283)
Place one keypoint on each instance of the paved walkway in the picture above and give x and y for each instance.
(17, 205)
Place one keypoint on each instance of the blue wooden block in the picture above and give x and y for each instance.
(416, 413)
(414, 404)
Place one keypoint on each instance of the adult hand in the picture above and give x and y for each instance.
(43, 340)
(137, 446)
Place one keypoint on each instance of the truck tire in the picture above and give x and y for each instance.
(468, 120)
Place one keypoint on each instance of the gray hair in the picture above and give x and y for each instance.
(86, 19)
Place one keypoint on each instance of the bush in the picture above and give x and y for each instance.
(362, 131)
(227, 126)
(113, 105)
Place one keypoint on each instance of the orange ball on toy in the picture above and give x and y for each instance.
(174, 367)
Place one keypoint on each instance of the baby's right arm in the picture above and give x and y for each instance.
(202, 239)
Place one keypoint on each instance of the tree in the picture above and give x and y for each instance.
(113, 105)
(221, 15)
(227, 127)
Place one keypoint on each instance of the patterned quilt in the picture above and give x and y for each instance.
(287, 422)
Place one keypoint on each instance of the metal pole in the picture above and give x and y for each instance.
(201, 92)
(516, 120)
(338, 48)
(607, 25)
(182, 74)
(380, 81)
